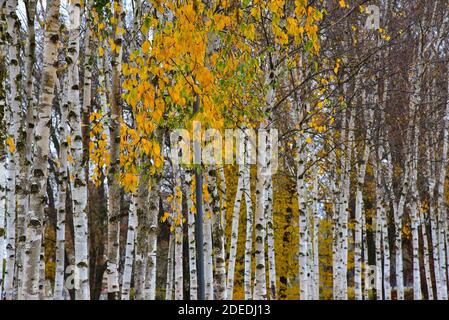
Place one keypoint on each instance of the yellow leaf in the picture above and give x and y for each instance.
(119, 31)
(165, 216)
(146, 47)
(10, 143)
(130, 182)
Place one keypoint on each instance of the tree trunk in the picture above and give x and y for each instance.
(234, 234)
(40, 171)
(113, 250)
(79, 185)
(170, 262)
(25, 147)
(62, 194)
(150, 277)
(188, 191)
(129, 251)
(13, 121)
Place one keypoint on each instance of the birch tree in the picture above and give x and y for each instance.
(40, 170)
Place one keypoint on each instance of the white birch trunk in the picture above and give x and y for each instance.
(42, 267)
(303, 230)
(25, 148)
(141, 255)
(2, 219)
(62, 195)
(170, 267)
(129, 250)
(378, 237)
(40, 171)
(344, 209)
(113, 249)
(260, 287)
(193, 284)
(386, 253)
(316, 254)
(234, 233)
(13, 122)
(3, 106)
(217, 237)
(361, 172)
(441, 204)
(78, 181)
(269, 221)
(366, 272)
(178, 224)
(426, 249)
(150, 277)
(249, 231)
(207, 248)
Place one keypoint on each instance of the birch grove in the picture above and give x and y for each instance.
(224, 150)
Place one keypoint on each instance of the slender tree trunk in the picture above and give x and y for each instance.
(188, 191)
(142, 232)
(344, 209)
(223, 202)
(113, 249)
(25, 148)
(269, 219)
(260, 286)
(129, 251)
(170, 263)
(367, 284)
(2, 220)
(62, 195)
(207, 245)
(42, 294)
(386, 252)
(234, 234)
(303, 230)
(179, 234)
(42, 137)
(378, 232)
(3, 106)
(441, 204)
(217, 237)
(150, 277)
(247, 278)
(426, 249)
(316, 254)
(13, 121)
(361, 172)
(79, 185)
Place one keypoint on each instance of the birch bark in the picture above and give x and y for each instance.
(25, 147)
(113, 249)
(78, 181)
(142, 230)
(129, 250)
(217, 237)
(361, 172)
(249, 230)
(188, 191)
(234, 233)
(170, 268)
(40, 171)
(150, 277)
(62, 194)
(13, 119)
